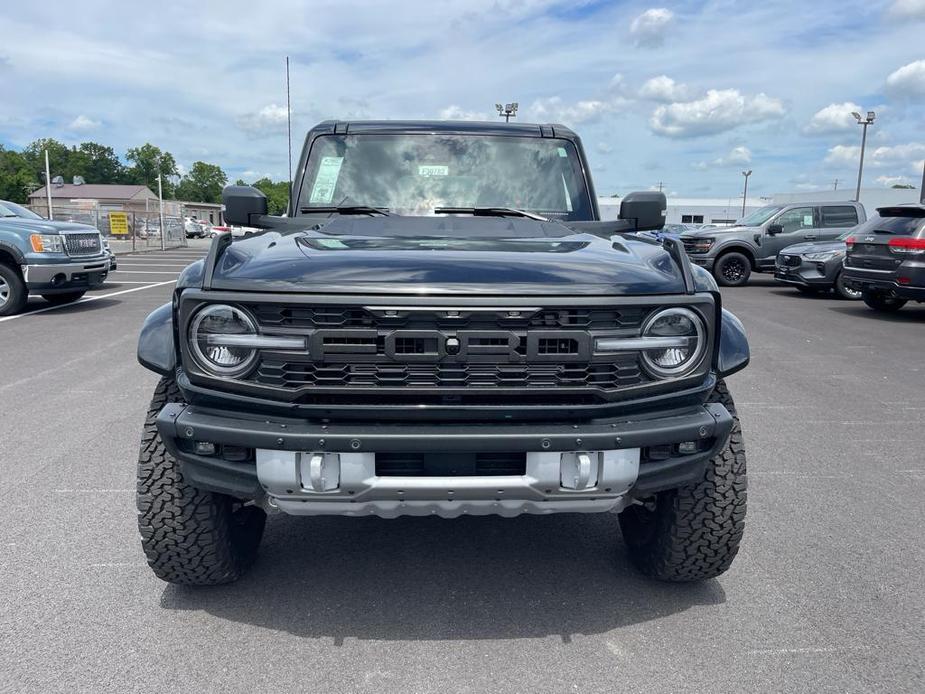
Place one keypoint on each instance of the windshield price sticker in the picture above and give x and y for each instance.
(433, 170)
(326, 180)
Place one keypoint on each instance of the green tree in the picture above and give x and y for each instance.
(59, 155)
(903, 186)
(16, 180)
(96, 163)
(203, 183)
(277, 194)
(147, 162)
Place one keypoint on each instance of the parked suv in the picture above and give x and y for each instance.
(59, 260)
(442, 326)
(815, 266)
(886, 258)
(753, 243)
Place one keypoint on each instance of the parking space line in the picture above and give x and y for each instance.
(149, 272)
(85, 299)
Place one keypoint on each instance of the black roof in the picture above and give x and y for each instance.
(449, 126)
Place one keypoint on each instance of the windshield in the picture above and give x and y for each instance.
(415, 173)
(759, 216)
(11, 209)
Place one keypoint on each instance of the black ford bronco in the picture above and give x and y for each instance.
(442, 326)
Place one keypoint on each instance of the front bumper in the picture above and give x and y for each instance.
(809, 273)
(84, 273)
(703, 261)
(627, 467)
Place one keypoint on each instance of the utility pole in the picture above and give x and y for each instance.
(836, 185)
(863, 122)
(659, 186)
(745, 192)
(51, 212)
(507, 110)
(160, 200)
(289, 122)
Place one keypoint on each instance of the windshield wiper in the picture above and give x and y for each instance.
(347, 209)
(490, 212)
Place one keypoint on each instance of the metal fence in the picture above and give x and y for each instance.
(125, 230)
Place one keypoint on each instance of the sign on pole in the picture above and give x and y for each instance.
(118, 223)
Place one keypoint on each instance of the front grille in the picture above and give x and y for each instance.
(791, 260)
(490, 375)
(82, 244)
(689, 244)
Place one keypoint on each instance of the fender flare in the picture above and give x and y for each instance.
(13, 251)
(155, 343)
(734, 352)
(737, 247)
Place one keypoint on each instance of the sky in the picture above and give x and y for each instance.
(685, 95)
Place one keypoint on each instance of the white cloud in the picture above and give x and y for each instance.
(833, 118)
(554, 109)
(892, 156)
(908, 81)
(649, 28)
(270, 119)
(83, 124)
(454, 112)
(907, 9)
(665, 89)
(737, 156)
(720, 110)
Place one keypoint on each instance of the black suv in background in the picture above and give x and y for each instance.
(886, 257)
(813, 267)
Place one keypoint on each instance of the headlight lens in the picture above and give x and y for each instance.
(702, 245)
(674, 361)
(827, 255)
(47, 243)
(214, 354)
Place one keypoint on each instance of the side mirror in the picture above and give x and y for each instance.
(645, 209)
(775, 229)
(243, 204)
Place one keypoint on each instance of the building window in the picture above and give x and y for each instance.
(211, 218)
(722, 221)
(691, 219)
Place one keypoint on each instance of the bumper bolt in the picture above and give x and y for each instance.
(321, 443)
(577, 442)
(545, 443)
(189, 432)
(618, 440)
(279, 442)
(355, 444)
(703, 432)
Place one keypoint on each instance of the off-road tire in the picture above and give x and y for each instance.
(190, 536)
(843, 291)
(732, 269)
(880, 302)
(693, 533)
(14, 290)
(66, 298)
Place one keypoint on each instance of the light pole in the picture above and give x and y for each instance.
(507, 110)
(863, 122)
(745, 192)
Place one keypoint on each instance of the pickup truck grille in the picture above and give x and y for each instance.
(82, 244)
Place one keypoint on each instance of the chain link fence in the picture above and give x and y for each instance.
(125, 230)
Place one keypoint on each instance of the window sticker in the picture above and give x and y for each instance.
(807, 220)
(433, 170)
(326, 180)
(562, 152)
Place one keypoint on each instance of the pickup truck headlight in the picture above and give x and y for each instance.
(47, 243)
(702, 245)
(215, 336)
(687, 329)
(224, 340)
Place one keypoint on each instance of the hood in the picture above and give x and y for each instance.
(814, 247)
(717, 231)
(446, 255)
(44, 226)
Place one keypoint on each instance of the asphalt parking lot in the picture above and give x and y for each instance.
(826, 595)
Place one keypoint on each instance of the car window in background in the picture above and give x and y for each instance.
(898, 226)
(796, 219)
(11, 209)
(759, 216)
(413, 174)
(839, 216)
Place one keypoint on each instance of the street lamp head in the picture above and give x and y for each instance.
(747, 173)
(871, 116)
(857, 116)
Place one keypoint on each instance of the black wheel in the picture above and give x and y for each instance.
(190, 536)
(844, 291)
(732, 270)
(881, 302)
(65, 298)
(693, 533)
(13, 292)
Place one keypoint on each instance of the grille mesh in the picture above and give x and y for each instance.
(82, 244)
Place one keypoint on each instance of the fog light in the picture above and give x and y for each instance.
(688, 447)
(205, 448)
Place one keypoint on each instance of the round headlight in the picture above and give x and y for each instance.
(681, 323)
(211, 344)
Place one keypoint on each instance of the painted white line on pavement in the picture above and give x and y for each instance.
(122, 265)
(88, 298)
(123, 282)
(150, 272)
